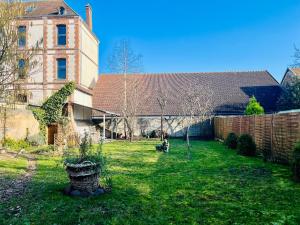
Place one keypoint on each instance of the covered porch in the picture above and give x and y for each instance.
(108, 123)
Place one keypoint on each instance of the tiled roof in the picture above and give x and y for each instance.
(47, 8)
(231, 91)
(295, 71)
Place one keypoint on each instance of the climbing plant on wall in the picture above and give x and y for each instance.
(51, 110)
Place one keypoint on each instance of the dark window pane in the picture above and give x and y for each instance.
(61, 40)
(22, 98)
(21, 63)
(21, 68)
(22, 36)
(61, 69)
(61, 34)
(62, 29)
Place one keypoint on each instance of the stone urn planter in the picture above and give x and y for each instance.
(84, 179)
(84, 170)
(84, 176)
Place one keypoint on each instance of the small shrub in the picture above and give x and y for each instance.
(231, 141)
(16, 144)
(36, 140)
(246, 146)
(85, 146)
(296, 162)
(154, 134)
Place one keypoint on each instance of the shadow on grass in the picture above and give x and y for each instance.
(215, 187)
(219, 187)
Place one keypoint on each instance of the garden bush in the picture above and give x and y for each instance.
(296, 162)
(36, 140)
(246, 146)
(231, 141)
(16, 144)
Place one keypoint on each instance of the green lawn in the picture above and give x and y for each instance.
(11, 167)
(215, 187)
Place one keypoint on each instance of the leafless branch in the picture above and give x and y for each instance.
(196, 107)
(125, 61)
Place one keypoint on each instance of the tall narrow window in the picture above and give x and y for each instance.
(22, 36)
(61, 69)
(61, 34)
(22, 69)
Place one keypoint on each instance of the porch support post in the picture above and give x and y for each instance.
(111, 128)
(116, 127)
(104, 127)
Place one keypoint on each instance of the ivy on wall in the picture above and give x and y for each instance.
(51, 110)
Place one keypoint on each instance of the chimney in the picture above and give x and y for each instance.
(89, 15)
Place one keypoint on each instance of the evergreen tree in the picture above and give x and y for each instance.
(254, 108)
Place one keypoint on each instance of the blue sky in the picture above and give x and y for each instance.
(198, 35)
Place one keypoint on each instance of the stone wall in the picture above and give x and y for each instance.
(145, 125)
(276, 133)
(17, 123)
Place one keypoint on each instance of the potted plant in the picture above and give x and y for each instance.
(84, 170)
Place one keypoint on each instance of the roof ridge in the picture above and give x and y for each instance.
(183, 73)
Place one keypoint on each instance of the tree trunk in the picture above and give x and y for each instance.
(125, 129)
(188, 143)
(4, 124)
(161, 128)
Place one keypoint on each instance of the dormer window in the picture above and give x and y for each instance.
(29, 9)
(61, 35)
(62, 11)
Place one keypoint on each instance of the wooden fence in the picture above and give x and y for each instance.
(276, 133)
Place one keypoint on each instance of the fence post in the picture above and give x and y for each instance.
(272, 127)
(240, 128)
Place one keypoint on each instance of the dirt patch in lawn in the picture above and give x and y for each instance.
(14, 187)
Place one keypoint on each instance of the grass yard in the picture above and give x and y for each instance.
(215, 187)
(11, 167)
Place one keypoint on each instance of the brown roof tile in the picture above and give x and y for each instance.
(231, 91)
(48, 8)
(296, 71)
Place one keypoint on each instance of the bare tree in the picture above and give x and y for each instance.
(16, 61)
(124, 60)
(296, 57)
(131, 110)
(173, 123)
(144, 125)
(162, 100)
(196, 107)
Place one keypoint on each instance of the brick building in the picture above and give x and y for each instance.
(68, 52)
